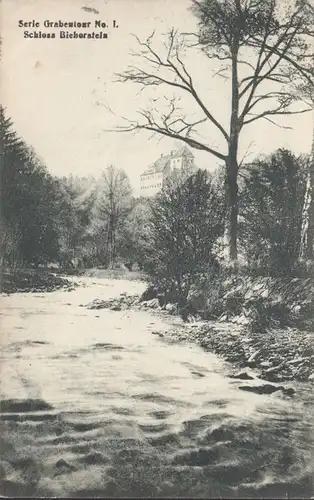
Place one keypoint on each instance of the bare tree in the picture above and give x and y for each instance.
(304, 89)
(256, 44)
(113, 207)
(307, 229)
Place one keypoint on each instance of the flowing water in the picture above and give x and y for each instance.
(110, 409)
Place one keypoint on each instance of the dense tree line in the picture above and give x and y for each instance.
(28, 194)
(68, 221)
(175, 237)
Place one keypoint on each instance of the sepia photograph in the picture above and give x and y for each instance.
(157, 249)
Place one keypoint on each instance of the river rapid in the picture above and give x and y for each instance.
(112, 409)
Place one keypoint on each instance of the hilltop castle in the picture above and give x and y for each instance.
(152, 179)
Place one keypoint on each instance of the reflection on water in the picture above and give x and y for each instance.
(108, 409)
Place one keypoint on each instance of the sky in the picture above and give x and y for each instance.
(57, 92)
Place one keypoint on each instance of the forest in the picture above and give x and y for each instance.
(74, 222)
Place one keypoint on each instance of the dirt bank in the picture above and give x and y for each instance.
(33, 281)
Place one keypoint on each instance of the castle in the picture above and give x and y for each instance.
(152, 180)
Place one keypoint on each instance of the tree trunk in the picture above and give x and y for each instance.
(310, 239)
(109, 246)
(231, 228)
(231, 178)
(304, 243)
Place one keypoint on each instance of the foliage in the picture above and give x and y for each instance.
(29, 232)
(134, 238)
(271, 207)
(75, 201)
(112, 206)
(186, 221)
(43, 219)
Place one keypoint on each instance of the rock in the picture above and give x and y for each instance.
(311, 377)
(243, 320)
(248, 294)
(295, 361)
(261, 389)
(253, 356)
(246, 341)
(153, 303)
(250, 364)
(96, 304)
(198, 374)
(271, 377)
(289, 391)
(224, 317)
(26, 405)
(265, 364)
(149, 294)
(274, 369)
(191, 319)
(252, 360)
(160, 334)
(170, 307)
(116, 307)
(241, 376)
(296, 309)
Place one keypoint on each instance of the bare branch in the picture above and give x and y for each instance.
(258, 77)
(279, 125)
(276, 112)
(166, 130)
(246, 154)
(179, 76)
(271, 95)
(281, 49)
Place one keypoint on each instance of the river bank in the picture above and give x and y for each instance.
(33, 280)
(276, 355)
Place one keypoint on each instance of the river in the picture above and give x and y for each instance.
(131, 414)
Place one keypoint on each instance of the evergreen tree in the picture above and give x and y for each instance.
(271, 209)
(29, 232)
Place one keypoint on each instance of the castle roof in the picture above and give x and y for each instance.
(163, 160)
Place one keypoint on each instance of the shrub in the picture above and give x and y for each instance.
(186, 220)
